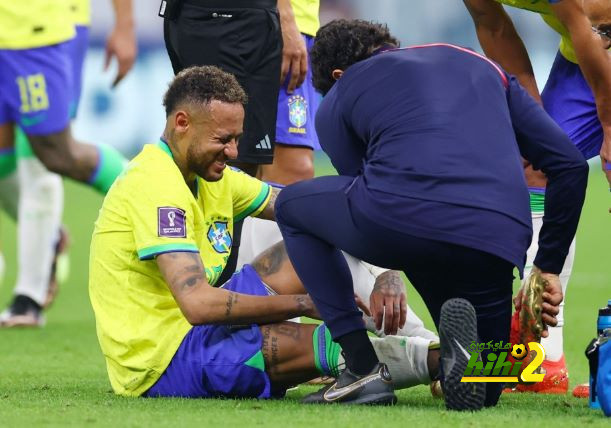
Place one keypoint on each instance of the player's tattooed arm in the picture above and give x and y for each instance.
(201, 303)
(268, 212)
(388, 302)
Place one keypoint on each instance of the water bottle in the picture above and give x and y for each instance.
(603, 322)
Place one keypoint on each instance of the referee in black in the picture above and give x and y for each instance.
(242, 37)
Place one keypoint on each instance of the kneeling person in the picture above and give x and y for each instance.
(160, 242)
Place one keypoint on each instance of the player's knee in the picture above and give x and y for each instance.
(7, 136)
(291, 164)
(52, 150)
(301, 169)
(54, 162)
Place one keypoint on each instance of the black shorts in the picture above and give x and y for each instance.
(241, 37)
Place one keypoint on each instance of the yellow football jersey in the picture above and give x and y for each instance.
(306, 15)
(34, 23)
(81, 12)
(543, 8)
(148, 211)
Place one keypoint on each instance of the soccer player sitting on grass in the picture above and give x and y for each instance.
(160, 242)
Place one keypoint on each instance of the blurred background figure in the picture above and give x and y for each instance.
(38, 203)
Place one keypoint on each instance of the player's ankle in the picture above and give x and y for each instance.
(432, 362)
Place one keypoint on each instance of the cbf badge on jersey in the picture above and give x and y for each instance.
(298, 114)
(171, 222)
(219, 237)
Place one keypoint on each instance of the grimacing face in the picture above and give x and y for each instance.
(214, 139)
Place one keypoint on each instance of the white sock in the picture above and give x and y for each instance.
(40, 211)
(9, 199)
(553, 344)
(406, 358)
(9, 194)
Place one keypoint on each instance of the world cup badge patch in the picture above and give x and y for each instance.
(171, 222)
(219, 237)
(298, 114)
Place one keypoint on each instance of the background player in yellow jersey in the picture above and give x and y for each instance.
(298, 102)
(40, 196)
(577, 96)
(161, 239)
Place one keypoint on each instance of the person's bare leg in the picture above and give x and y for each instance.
(288, 351)
(98, 166)
(291, 164)
(275, 270)
(61, 154)
(554, 346)
(7, 136)
(289, 354)
(9, 184)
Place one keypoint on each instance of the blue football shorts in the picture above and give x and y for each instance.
(220, 360)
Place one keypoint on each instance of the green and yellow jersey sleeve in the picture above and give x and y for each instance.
(250, 196)
(161, 210)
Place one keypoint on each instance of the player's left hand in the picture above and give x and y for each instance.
(552, 297)
(388, 303)
(121, 44)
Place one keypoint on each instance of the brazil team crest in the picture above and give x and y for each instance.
(219, 237)
(298, 113)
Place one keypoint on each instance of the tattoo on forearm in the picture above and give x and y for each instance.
(273, 197)
(302, 304)
(231, 300)
(188, 276)
(271, 260)
(191, 280)
(390, 283)
(268, 211)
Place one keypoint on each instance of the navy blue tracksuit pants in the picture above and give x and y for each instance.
(318, 219)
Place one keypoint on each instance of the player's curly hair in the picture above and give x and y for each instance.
(341, 43)
(200, 85)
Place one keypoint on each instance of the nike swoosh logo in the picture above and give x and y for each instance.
(463, 350)
(334, 393)
(33, 120)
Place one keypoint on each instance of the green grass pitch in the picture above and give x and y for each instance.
(55, 376)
